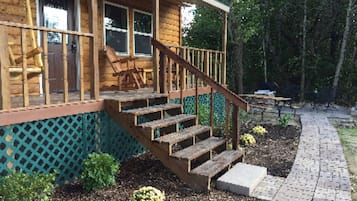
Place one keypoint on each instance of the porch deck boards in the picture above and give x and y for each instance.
(57, 97)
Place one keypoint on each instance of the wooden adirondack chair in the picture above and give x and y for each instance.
(124, 68)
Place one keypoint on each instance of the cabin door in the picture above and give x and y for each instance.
(59, 14)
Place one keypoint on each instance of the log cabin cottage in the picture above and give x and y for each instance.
(59, 96)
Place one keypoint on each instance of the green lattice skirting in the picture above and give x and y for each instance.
(62, 143)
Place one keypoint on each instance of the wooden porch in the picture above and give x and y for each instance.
(178, 72)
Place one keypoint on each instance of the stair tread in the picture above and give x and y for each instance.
(199, 148)
(138, 96)
(167, 121)
(151, 109)
(182, 135)
(212, 167)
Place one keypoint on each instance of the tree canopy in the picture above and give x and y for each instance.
(271, 35)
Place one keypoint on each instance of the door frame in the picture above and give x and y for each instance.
(77, 18)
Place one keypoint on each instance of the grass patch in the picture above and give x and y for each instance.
(348, 137)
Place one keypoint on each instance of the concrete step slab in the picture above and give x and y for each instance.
(242, 179)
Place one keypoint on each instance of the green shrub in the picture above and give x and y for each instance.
(284, 120)
(148, 193)
(247, 139)
(25, 187)
(99, 171)
(260, 130)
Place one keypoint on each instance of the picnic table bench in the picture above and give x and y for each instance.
(266, 103)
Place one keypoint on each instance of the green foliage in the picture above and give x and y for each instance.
(207, 22)
(284, 120)
(148, 193)
(260, 130)
(99, 171)
(247, 139)
(204, 119)
(25, 187)
(195, 199)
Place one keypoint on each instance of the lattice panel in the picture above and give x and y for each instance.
(62, 143)
(218, 99)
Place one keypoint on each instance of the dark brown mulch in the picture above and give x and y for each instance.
(276, 151)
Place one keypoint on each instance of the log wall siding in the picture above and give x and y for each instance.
(15, 11)
(169, 33)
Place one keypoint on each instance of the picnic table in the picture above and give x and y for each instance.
(266, 102)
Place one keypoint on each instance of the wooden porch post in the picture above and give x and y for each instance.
(4, 72)
(224, 48)
(93, 46)
(156, 36)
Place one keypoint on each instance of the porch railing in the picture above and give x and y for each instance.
(82, 40)
(211, 62)
(170, 59)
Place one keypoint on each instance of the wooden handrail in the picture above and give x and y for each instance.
(194, 48)
(235, 99)
(25, 26)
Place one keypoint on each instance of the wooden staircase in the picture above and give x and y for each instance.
(188, 149)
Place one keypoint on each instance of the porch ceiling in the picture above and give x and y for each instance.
(213, 3)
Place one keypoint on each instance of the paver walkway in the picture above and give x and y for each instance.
(320, 170)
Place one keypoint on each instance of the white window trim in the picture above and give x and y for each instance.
(143, 34)
(118, 29)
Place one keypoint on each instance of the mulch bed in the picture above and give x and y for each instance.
(276, 151)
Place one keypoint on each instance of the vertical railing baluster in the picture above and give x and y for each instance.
(25, 87)
(184, 73)
(227, 112)
(215, 66)
(211, 120)
(182, 83)
(5, 100)
(163, 73)
(81, 68)
(65, 68)
(170, 74)
(220, 68)
(235, 127)
(45, 67)
(197, 100)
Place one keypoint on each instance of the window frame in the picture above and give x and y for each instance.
(143, 34)
(118, 29)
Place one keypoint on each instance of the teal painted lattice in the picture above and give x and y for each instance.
(62, 143)
(189, 107)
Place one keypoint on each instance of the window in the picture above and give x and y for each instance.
(116, 28)
(142, 33)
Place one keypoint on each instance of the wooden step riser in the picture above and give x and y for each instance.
(206, 156)
(168, 129)
(158, 115)
(124, 105)
(188, 142)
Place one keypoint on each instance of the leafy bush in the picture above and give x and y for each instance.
(99, 171)
(25, 187)
(247, 139)
(148, 193)
(260, 130)
(284, 120)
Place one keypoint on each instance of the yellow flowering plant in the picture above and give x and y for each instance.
(247, 139)
(260, 130)
(148, 193)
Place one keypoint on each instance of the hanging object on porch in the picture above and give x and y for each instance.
(34, 53)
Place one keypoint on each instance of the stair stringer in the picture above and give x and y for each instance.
(178, 167)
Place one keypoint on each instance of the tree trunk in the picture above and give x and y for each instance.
(303, 57)
(343, 50)
(265, 61)
(236, 58)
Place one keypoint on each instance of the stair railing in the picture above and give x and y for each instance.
(169, 59)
